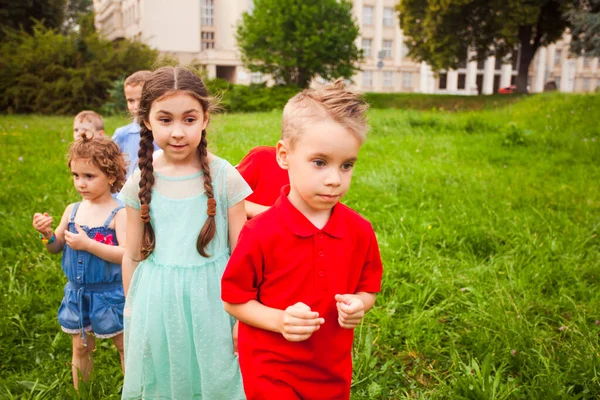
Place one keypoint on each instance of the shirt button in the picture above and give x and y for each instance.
(321, 253)
(321, 273)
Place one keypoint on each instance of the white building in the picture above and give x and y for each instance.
(203, 32)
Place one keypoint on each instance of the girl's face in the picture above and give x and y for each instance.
(89, 180)
(177, 123)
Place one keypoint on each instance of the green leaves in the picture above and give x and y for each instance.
(295, 41)
(50, 73)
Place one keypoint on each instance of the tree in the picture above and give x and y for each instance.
(294, 41)
(23, 14)
(585, 28)
(442, 32)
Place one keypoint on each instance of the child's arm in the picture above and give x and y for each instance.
(107, 252)
(253, 209)
(236, 216)
(132, 254)
(296, 323)
(353, 307)
(43, 224)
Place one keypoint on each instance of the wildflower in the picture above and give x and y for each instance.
(562, 328)
(429, 227)
(21, 159)
(504, 165)
(597, 322)
(513, 352)
(463, 289)
(62, 140)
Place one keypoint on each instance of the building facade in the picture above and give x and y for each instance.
(202, 32)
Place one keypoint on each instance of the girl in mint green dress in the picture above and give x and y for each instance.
(184, 213)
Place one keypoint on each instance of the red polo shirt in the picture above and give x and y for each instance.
(260, 170)
(280, 259)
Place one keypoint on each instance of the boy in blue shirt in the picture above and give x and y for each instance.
(128, 137)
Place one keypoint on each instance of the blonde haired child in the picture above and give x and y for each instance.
(305, 272)
(88, 123)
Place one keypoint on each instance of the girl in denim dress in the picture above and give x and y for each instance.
(91, 235)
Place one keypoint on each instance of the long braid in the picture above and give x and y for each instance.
(208, 230)
(146, 184)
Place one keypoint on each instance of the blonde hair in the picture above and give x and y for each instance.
(138, 78)
(333, 101)
(93, 117)
(104, 154)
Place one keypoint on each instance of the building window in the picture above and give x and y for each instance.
(443, 81)
(388, 79)
(462, 81)
(407, 80)
(208, 12)
(256, 77)
(367, 15)
(386, 47)
(208, 40)
(587, 62)
(367, 78)
(586, 84)
(557, 57)
(366, 46)
(388, 16)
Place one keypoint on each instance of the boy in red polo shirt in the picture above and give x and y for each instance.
(264, 176)
(304, 272)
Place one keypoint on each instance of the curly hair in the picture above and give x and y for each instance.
(334, 102)
(165, 82)
(104, 154)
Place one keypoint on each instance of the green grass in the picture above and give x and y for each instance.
(487, 223)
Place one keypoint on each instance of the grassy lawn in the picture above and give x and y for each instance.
(487, 223)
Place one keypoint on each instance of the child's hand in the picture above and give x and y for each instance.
(77, 241)
(351, 310)
(299, 322)
(43, 224)
(234, 336)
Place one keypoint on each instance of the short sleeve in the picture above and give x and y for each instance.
(129, 192)
(243, 273)
(247, 168)
(236, 187)
(370, 277)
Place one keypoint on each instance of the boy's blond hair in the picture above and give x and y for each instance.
(334, 102)
(137, 78)
(93, 117)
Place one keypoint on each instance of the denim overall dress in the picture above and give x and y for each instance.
(93, 298)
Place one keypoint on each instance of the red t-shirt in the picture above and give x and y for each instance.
(280, 259)
(266, 178)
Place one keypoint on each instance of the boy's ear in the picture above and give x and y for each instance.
(282, 152)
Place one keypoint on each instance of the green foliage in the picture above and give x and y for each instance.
(585, 28)
(295, 41)
(25, 14)
(427, 102)
(49, 73)
(117, 102)
(490, 252)
(441, 33)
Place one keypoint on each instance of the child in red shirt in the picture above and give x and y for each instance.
(264, 176)
(305, 272)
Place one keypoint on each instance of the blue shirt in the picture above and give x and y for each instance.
(128, 139)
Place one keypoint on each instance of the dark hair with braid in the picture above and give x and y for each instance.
(165, 82)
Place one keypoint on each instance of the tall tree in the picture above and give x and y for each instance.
(441, 32)
(294, 41)
(585, 28)
(23, 14)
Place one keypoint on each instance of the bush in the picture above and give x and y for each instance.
(252, 98)
(49, 73)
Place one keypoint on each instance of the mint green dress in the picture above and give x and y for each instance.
(178, 342)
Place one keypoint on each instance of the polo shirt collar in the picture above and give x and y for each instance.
(298, 224)
(134, 127)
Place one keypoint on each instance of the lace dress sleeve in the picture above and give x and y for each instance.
(236, 187)
(129, 192)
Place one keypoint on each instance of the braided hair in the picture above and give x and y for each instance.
(164, 82)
